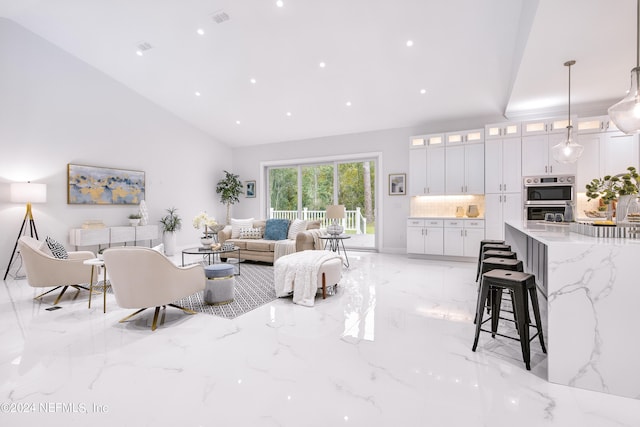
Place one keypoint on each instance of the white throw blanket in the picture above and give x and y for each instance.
(298, 272)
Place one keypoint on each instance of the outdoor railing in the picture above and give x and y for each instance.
(354, 220)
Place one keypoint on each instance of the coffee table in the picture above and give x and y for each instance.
(210, 254)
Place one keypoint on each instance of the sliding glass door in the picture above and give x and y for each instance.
(304, 191)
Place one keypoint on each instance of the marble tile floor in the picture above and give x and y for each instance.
(391, 348)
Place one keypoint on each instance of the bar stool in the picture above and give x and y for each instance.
(495, 263)
(486, 245)
(523, 287)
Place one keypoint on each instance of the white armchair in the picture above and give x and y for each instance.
(142, 278)
(43, 270)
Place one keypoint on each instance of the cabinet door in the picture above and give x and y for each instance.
(418, 171)
(493, 165)
(512, 207)
(454, 180)
(435, 170)
(474, 169)
(535, 155)
(556, 168)
(434, 241)
(588, 165)
(472, 239)
(454, 241)
(493, 222)
(511, 165)
(617, 152)
(415, 240)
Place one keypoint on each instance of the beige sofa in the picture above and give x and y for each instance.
(264, 250)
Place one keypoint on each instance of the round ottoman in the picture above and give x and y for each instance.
(220, 284)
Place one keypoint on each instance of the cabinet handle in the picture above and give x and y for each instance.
(465, 233)
(550, 169)
(505, 187)
(426, 231)
(545, 169)
(500, 187)
(602, 125)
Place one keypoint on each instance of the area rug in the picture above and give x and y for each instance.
(253, 288)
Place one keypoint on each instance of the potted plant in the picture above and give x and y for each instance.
(171, 223)
(229, 188)
(134, 219)
(615, 190)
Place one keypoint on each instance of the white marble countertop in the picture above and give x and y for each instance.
(550, 233)
(444, 217)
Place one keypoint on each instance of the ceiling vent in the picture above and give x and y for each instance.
(219, 16)
(144, 46)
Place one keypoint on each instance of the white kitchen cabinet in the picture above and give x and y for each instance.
(503, 167)
(605, 153)
(544, 127)
(425, 236)
(596, 125)
(462, 237)
(464, 171)
(426, 165)
(537, 158)
(502, 130)
(499, 208)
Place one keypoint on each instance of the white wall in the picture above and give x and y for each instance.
(55, 110)
(395, 159)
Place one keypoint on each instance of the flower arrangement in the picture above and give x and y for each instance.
(610, 188)
(202, 219)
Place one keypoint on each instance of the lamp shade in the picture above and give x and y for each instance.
(336, 212)
(626, 113)
(568, 150)
(27, 192)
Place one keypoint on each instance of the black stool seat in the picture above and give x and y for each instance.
(496, 247)
(495, 263)
(499, 254)
(523, 287)
(491, 245)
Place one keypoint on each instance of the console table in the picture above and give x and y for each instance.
(111, 235)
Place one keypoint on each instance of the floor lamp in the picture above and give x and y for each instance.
(26, 192)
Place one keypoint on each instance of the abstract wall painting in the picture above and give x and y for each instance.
(91, 185)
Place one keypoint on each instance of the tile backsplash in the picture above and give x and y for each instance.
(444, 206)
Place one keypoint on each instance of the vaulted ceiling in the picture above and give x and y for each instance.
(269, 73)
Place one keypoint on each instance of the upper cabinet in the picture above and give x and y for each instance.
(502, 130)
(543, 127)
(426, 165)
(464, 171)
(537, 158)
(595, 125)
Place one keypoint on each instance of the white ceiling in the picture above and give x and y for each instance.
(475, 58)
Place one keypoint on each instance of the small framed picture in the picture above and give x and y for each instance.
(250, 188)
(397, 184)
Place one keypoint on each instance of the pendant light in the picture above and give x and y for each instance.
(626, 113)
(568, 150)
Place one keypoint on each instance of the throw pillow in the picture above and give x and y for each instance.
(296, 226)
(237, 224)
(57, 249)
(276, 229)
(313, 225)
(250, 233)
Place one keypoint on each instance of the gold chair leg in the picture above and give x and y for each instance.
(91, 285)
(131, 315)
(64, 289)
(154, 324)
(186, 310)
(49, 291)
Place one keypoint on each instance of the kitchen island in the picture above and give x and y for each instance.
(589, 284)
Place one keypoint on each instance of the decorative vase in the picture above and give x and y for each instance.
(472, 211)
(621, 207)
(169, 241)
(134, 221)
(206, 241)
(144, 213)
(459, 212)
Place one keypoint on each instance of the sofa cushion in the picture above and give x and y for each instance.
(276, 229)
(260, 223)
(261, 245)
(237, 224)
(313, 225)
(296, 226)
(57, 249)
(250, 233)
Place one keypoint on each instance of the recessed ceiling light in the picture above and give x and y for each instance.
(198, 93)
(409, 43)
(423, 91)
(288, 113)
(322, 65)
(253, 81)
(237, 122)
(200, 31)
(348, 103)
(139, 53)
(279, 3)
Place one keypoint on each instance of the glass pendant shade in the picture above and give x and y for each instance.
(568, 150)
(626, 113)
